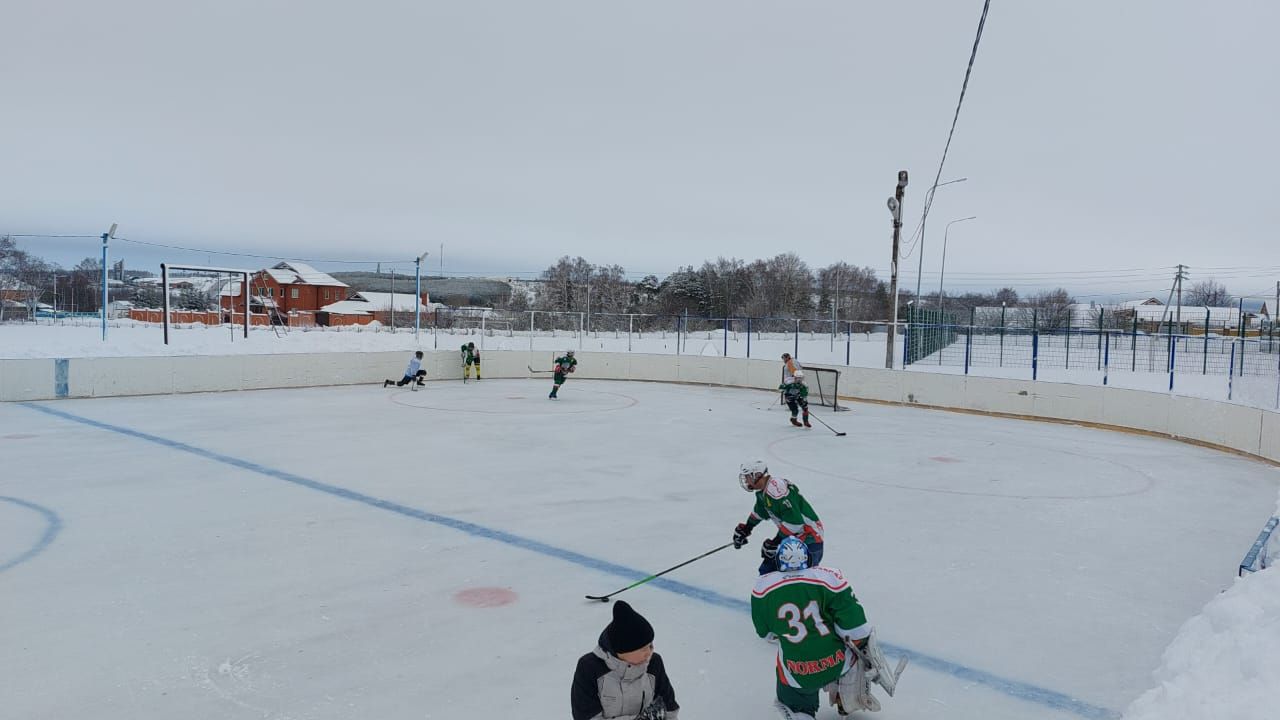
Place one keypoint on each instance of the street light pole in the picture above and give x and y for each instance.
(943, 274)
(417, 291)
(105, 237)
(895, 208)
(923, 221)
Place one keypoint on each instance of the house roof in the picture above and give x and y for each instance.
(367, 302)
(296, 273)
(1190, 313)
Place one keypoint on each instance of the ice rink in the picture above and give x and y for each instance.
(355, 552)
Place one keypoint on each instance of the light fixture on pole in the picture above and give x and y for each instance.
(105, 237)
(943, 274)
(928, 202)
(417, 292)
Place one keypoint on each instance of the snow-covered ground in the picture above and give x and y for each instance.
(356, 552)
(135, 339)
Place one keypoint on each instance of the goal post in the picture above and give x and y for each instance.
(244, 287)
(824, 387)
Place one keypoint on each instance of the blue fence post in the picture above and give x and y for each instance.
(748, 338)
(1230, 373)
(795, 353)
(1205, 369)
(1067, 366)
(968, 342)
(726, 337)
(1173, 357)
(1106, 358)
(677, 334)
(1035, 343)
(1134, 366)
(848, 340)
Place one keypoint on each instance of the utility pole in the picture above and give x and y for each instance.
(1181, 275)
(895, 207)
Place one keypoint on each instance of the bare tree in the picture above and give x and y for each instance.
(1048, 310)
(1208, 293)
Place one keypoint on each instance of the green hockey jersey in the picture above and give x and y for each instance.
(565, 365)
(781, 502)
(468, 356)
(811, 613)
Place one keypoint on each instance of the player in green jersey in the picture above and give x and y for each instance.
(796, 395)
(780, 501)
(565, 364)
(824, 640)
(470, 356)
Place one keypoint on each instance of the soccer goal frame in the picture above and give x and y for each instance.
(826, 381)
(244, 286)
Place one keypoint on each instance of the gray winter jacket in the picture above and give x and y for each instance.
(607, 688)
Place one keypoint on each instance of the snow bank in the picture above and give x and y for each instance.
(1225, 662)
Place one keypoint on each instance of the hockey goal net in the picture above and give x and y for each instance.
(824, 387)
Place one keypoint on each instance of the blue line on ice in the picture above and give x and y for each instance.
(1012, 688)
(52, 528)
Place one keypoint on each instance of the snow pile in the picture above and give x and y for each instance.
(1225, 662)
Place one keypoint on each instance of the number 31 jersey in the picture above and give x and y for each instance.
(810, 612)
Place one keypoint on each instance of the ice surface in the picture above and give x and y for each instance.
(366, 553)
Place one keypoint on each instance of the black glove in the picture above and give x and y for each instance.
(657, 710)
(740, 535)
(769, 548)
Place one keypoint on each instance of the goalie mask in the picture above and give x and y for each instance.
(751, 471)
(793, 555)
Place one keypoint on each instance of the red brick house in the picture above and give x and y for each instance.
(289, 287)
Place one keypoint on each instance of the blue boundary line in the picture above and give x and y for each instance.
(54, 526)
(1012, 688)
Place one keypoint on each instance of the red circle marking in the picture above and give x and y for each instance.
(485, 597)
(18, 436)
(944, 459)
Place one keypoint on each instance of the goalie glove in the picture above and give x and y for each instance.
(740, 535)
(769, 548)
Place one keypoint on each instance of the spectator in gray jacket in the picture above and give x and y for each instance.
(623, 678)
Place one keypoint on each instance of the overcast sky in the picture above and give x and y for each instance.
(1096, 135)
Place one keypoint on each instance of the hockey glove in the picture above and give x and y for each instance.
(657, 710)
(769, 549)
(740, 535)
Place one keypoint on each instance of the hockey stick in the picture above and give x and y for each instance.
(824, 423)
(538, 371)
(605, 598)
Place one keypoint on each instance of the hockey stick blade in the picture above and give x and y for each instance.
(824, 424)
(538, 371)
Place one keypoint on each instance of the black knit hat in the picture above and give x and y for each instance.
(629, 630)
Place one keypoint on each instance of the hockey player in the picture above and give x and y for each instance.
(412, 374)
(564, 365)
(780, 501)
(470, 356)
(623, 677)
(824, 641)
(796, 393)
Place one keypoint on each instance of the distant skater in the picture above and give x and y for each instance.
(412, 374)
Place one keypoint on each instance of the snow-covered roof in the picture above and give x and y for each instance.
(1190, 313)
(291, 273)
(1136, 303)
(348, 307)
(404, 302)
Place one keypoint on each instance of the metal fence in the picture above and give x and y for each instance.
(971, 346)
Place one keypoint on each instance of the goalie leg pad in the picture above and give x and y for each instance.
(787, 713)
(852, 692)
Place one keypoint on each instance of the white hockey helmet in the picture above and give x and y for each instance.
(568, 353)
(793, 554)
(751, 471)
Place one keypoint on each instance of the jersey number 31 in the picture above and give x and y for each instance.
(795, 618)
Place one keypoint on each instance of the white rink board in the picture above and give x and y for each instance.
(1232, 426)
